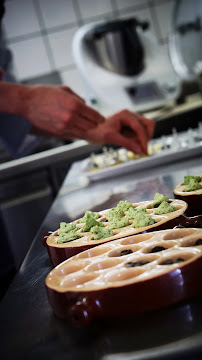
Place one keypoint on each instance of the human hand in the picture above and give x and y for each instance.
(126, 129)
(58, 111)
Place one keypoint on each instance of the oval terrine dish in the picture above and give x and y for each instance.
(126, 219)
(131, 275)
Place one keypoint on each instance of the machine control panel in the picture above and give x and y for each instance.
(147, 92)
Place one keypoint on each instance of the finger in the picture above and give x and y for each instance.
(122, 141)
(149, 124)
(134, 128)
(74, 118)
(125, 114)
(134, 121)
(90, 114)
(131, 145)
(76, 105)
(106, 135)
(81, 123)
(128, 126)
(70, 91)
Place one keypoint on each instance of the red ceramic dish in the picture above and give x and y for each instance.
(192, 198)
(127, 276)
(60, 252)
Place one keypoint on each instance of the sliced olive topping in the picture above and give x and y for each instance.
(157, 249)
(171, 261)
(198, 242)
(105, 221)
(167, 262)
(125, 252)
(136, 263)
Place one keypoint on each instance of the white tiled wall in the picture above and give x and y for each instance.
(30, 57)
(89, 8)
(57, 13)
(40, 32)
(60, 44)
(20, 19)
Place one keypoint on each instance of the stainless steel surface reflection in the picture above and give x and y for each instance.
(29, 329)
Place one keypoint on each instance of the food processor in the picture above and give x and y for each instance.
(123, 66)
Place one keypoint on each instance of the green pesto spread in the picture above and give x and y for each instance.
(114, 213)
(158, 199)
(131, 213)
(124, 205)
(119, 211)
(66, 237)
(164, 208)
(65, 228)
(90, 222)
(188, 178)
(95, 215)
(67, 232)
(193, 185)
(101, 232)
(143, 220)
(118, 223)
(134, 212)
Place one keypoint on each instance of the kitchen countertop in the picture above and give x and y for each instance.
(30, 330)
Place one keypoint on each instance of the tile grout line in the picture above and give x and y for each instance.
(139, 6)
(42, 32)
(77, 12)
(46, 43)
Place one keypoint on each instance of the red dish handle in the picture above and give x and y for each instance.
(83, 312)
(44, 237)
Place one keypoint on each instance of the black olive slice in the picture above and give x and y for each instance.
(125, 252)
(157, 249)
(136, 263)
(171, 261)
(167, 262)
(198, 242)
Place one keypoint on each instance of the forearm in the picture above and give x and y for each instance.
(13, 98)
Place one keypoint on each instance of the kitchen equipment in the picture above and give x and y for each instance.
(114, 77)
(116, 46)
(185, 38)
(122, 66)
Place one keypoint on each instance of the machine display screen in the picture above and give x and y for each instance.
(145, 92)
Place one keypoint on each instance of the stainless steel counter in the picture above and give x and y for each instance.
(29, 329)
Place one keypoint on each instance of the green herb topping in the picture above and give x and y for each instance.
(164, 208)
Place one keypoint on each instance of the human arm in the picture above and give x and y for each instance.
(53, 110)
(59, 112)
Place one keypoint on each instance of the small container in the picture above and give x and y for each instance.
(192, 198)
